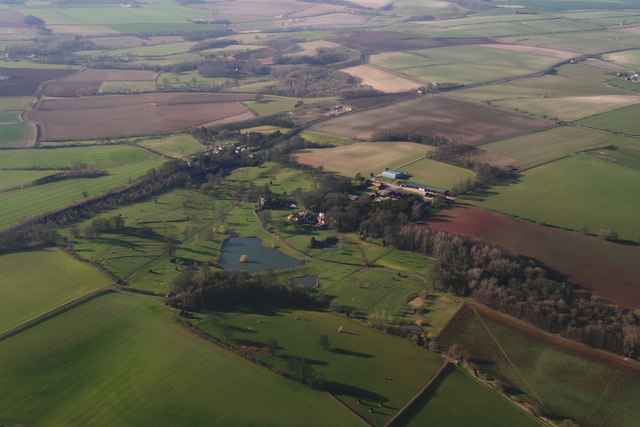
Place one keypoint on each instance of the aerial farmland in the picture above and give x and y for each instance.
(365, 212)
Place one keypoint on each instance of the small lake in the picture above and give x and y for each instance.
(260, 257)
(306, 281)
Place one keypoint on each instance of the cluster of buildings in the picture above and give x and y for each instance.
(308, 218)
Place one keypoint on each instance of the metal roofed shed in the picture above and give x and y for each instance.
(393, 174)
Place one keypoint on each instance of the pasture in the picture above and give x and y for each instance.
(463, 64)
(629, 59)
(15, 103)
(128, 87)
(561, 378)
(178, 145)
(17, 135)
(607, 269)
(536, 148)
(549, 86)
(15, 178)
(581, 41)
(436, 174)
(18, 205)
(484, 407)
(381, 80)
(26, 293)
(272, 104)
(576, 192)
(114, 116)
(623, 121)
(456, 120)
(570, 108)
(356, 365)
(121, 359)
(362, 157)
(100, 156)
(97, 75)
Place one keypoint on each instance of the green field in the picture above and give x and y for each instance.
(463, 64)
(178, 145)
(362, 157)
(10, 178)
(629, 59)
(35, 282)
(323, 138)
(155, 12)
(483, 406)
(544, 87)
(128, 87)
(436, 174)
(623, 120)
(357, 363)
(17, 135)
(18, 205)
(121, 360)
(536, 148)
(156, 50)
(568, 384)
(104, 156)
(577, 192)
(580, 41)
(273, 105)
(569, 108)
(9, 117)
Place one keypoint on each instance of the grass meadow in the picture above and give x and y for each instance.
(273, 105)
(18, 205)
(536, 148)
(462, 64)
(436, 174)
(121, 359)
(53, 279)
(12, 178)
(623, 120)
(17, 135)
(483, 406)
(178, 145)
(566, 383)
(357, 363)
(577, 192)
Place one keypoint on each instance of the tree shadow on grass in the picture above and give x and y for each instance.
(352, 391)
(286, 357)
(344, 352)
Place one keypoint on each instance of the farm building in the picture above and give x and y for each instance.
(393, 174)
(424, 188)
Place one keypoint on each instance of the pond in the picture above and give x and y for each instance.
(260, 258)
(306, 281)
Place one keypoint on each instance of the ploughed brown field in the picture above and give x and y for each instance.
(389, 41)
(112, 116)
(377, 100)
(433, 115)
(607, 269)
(25, 81)
(59, 88)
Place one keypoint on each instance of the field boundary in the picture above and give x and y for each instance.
(422, 391)
(504, 353)
(56, 311)
(348, 408)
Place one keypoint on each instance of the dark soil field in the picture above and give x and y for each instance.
(70, 88)
(96, 117)
(562, 378)
(375, 101)
(91, 75)
(434, 115)
(607, 269)
(389, 41)
(25, 81)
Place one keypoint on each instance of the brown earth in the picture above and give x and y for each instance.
(112, 116)
(434, 115)
(70, 88)
(388, 41)
(607, 269)
(94, 75)
(375, 101)
(381, 80)
(25, 81)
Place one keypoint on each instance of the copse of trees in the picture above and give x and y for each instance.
(211, 290)
(232, 68)
(311, 81)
